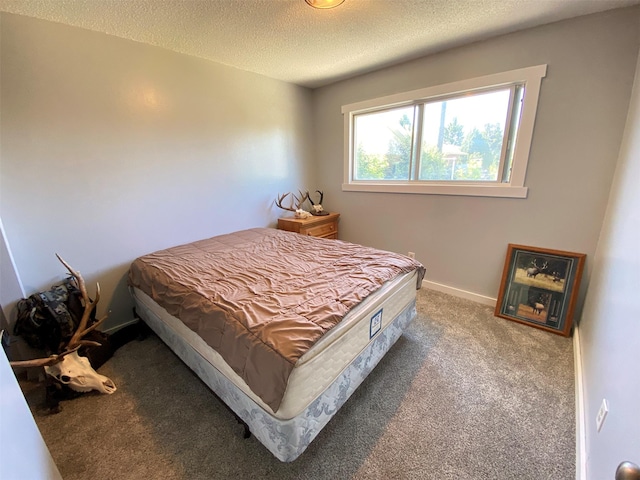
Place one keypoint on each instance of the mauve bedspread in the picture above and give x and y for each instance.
(262, 297)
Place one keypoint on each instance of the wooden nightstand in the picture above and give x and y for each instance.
(325, 226)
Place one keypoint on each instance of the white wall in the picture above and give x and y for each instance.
(23, 452)
(10, 287)
(583, 103)
(111, 149)
(610, 326)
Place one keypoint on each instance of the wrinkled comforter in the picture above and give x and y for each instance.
(262, 297)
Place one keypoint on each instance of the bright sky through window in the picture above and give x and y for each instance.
(448, 139)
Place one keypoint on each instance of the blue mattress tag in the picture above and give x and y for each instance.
(375, 324)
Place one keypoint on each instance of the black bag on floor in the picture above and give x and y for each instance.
(47, 320)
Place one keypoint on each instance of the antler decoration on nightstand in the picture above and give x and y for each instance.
(299, 212)
(317, 207)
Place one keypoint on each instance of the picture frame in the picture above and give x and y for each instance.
(540, 287)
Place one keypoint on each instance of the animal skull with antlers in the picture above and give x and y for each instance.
(298, 211)
(318, 210)
(68, 367)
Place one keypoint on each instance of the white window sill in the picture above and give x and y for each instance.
(506, 191)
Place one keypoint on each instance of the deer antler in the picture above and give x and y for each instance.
(298, 201)
(89, 305)
(46, 361)
(281, 198)
(321, 197)
(76, 340)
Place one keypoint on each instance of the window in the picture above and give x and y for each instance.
(464, 138)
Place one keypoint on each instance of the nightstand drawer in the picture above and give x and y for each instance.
(325, 226)
(321, 230)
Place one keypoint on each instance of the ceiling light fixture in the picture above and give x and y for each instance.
(324, 3)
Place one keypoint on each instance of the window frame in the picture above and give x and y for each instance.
(530, 77)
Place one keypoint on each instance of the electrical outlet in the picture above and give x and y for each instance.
(602, 413)
(412, 255)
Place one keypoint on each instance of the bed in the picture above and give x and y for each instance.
(281, 327)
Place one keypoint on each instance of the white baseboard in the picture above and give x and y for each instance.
(581, 451)
(456, 292)
(118, 327)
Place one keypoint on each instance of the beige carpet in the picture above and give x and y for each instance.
(462, 395)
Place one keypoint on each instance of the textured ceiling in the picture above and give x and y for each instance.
(290, 41)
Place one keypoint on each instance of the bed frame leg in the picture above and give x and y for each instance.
(247, 432)
(143, 329)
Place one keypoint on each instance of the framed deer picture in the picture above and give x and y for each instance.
(539, 287)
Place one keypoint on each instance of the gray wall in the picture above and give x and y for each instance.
(610, 327)
(583, 103)
(111, 149)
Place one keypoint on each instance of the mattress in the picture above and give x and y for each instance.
(281, 327)
(324, 362)
(262, 298)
